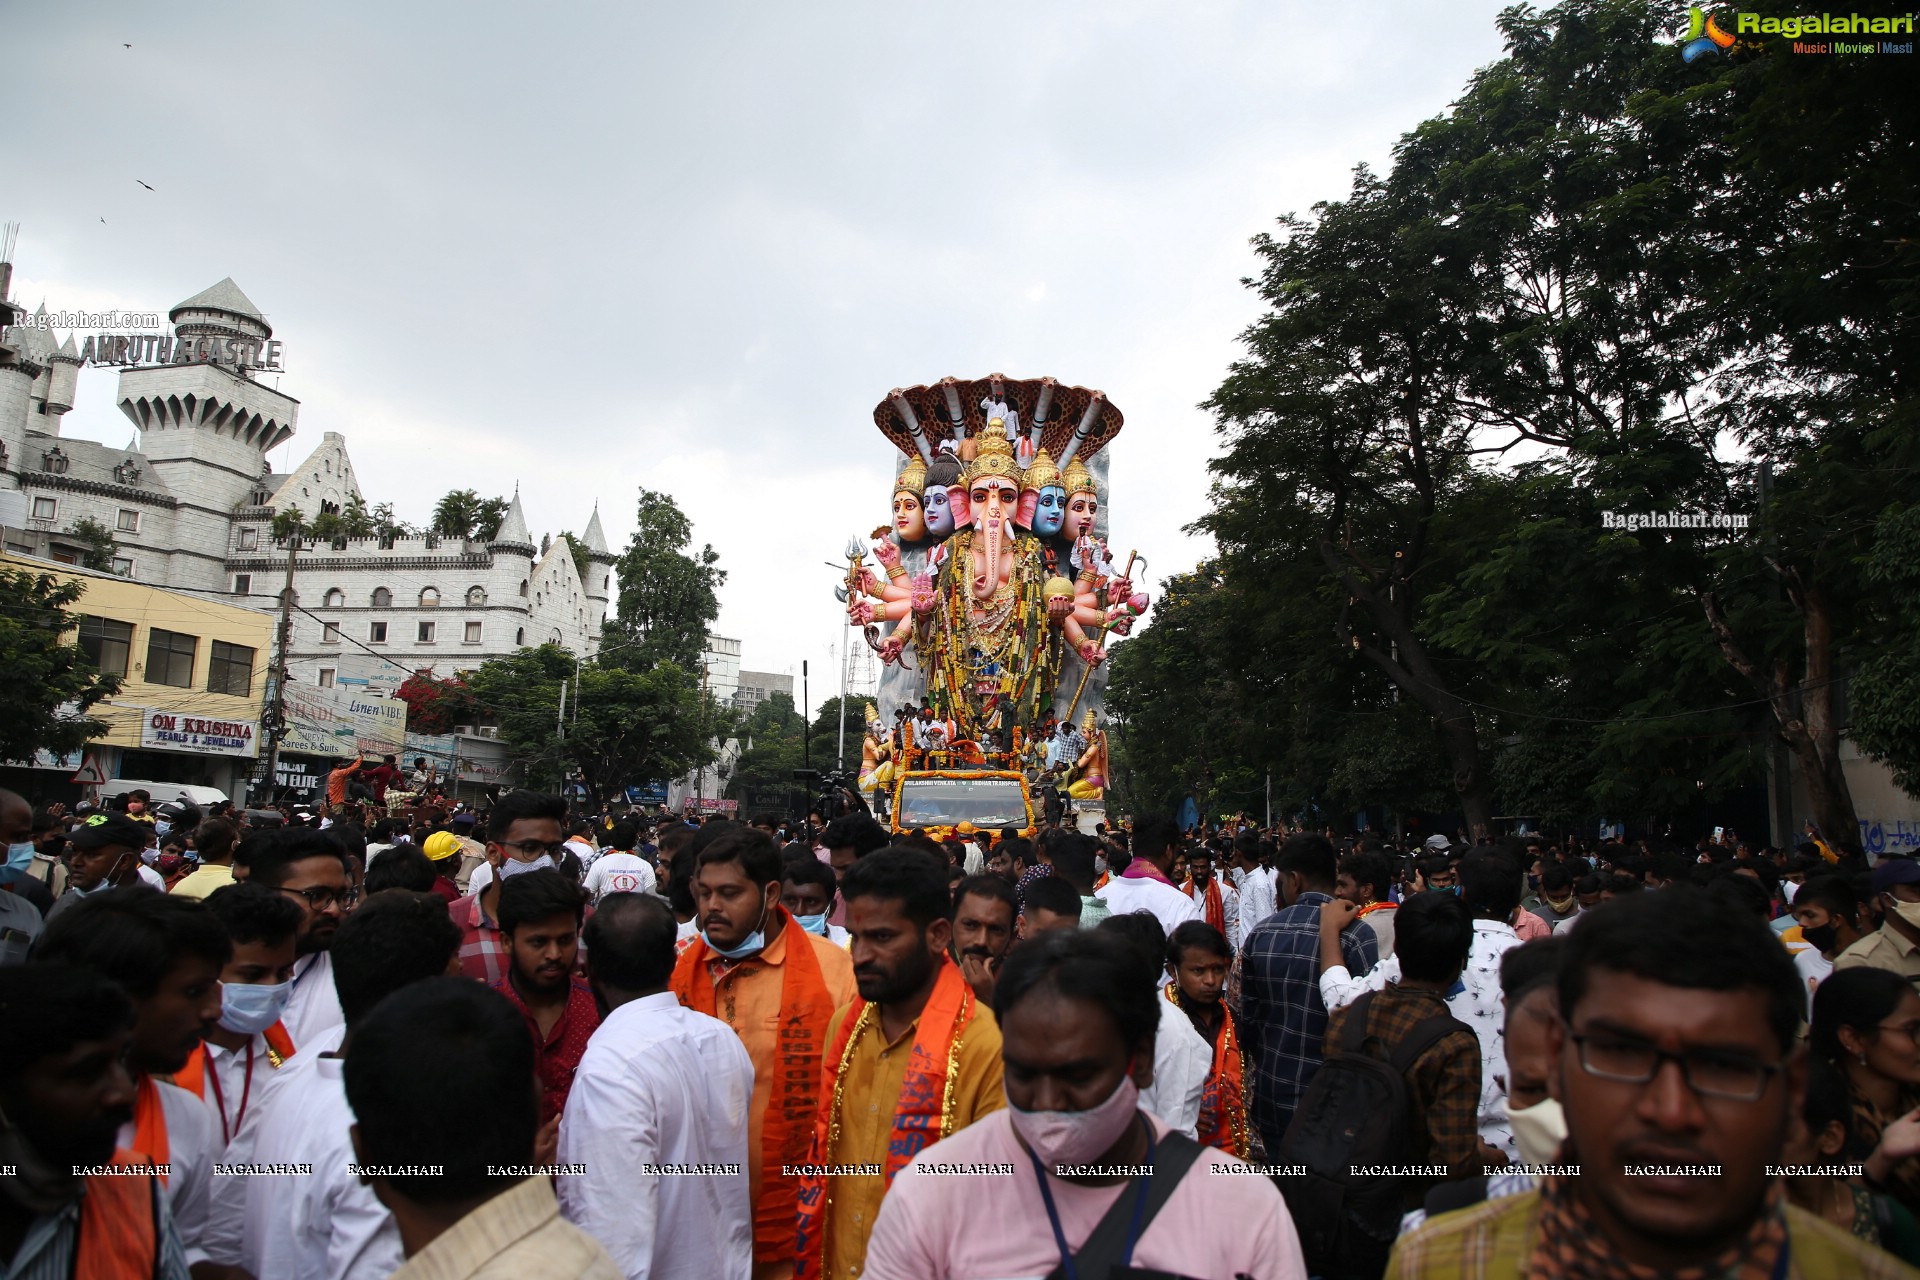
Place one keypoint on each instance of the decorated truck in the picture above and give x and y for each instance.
(990, 597)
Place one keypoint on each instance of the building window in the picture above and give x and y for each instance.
(429, 597)
(426, 633)
(606, 584)
(107, 644)
(523, 588)
(335, 598)
(382, 598)
(476, 595)
(123, 566)
(329, 633)
(46, 509)
(473, 633)
(242, 584)
(326, 677)
(170, 658)
(377, 633)
(520, 635)
(229, 669)
(249, 539)
(127, 521)
(289, 597)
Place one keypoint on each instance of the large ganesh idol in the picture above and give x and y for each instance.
(996, 583)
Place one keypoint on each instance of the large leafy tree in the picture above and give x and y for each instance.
(669, 592)
(621, 727)
(51, 684)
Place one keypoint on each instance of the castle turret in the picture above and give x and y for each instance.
(513, 535)
(63, 378)
(205, 425)
(600, 562)
(18, 374)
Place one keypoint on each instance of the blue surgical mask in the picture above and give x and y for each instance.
(19, 862)
(813, 924)
(752, 943)
(249, 1009)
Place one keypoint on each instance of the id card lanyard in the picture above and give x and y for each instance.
(1053, 1214)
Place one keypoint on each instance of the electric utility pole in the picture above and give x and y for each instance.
(275, 714)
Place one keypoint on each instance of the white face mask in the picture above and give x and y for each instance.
(512, 867)
(1538, 1131)
(1077, 1137)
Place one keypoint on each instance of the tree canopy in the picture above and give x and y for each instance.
(669, 592)
(51, 682)
(1602, 284)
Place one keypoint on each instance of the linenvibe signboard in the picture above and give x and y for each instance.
(342, 722)
(171, 731)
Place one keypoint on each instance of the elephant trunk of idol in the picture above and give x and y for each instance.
(992, 529)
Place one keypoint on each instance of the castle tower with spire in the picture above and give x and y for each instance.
(206, 426)
(600, 562)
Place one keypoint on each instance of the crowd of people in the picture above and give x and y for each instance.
(526, 1041)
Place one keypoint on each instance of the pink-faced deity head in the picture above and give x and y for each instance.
(909, 517)
(1082, 509)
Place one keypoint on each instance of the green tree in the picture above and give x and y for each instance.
(1886, 689)
(669, 592)
(51, 684)
(99, 550)
(578, 550)
(621, 727)
(463, 513)
(771, 748)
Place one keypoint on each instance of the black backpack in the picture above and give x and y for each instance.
(1356, 1112)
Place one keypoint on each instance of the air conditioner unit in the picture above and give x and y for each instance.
(463, 728)
(487, 731)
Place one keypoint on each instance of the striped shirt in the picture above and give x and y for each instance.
(47, 1251)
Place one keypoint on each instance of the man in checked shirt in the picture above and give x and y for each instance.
(1282, 1018)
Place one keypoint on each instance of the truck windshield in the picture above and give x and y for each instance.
(946, 802)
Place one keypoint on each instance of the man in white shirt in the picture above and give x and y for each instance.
(1258, 885)
(309, 868)
(659, 1085)
(1144, 885)
(249, 1045)
(1181, 1055)
(1490, 886)
(326, 1224)
(620, 869)
(1203, 884)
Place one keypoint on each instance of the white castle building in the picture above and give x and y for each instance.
(191, 505)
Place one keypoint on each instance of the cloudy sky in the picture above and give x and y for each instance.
(589, 248)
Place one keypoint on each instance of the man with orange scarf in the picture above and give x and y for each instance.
(166, 953)
(1219, 902)
(913, 1060)
(1199, 956)
(777, 986)
(64, 1090)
